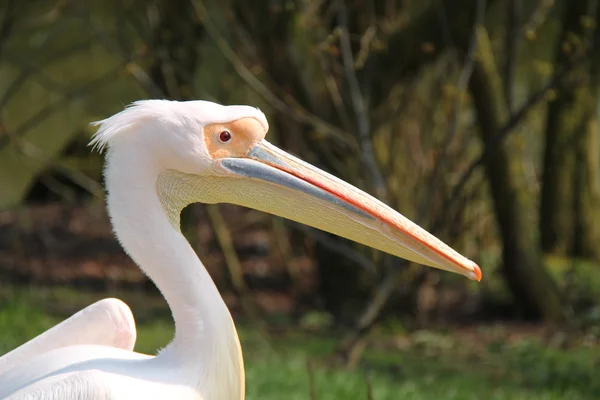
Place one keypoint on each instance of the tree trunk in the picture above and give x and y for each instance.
(532, 287)
(570, 202)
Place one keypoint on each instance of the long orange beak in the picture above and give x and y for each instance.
(281, 184)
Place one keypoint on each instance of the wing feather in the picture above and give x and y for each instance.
(108, 322)
(83, 385)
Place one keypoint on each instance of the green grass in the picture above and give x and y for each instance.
(435, 366)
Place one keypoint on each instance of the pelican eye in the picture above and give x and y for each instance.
(224, 137)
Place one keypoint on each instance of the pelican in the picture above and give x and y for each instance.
(163, 155)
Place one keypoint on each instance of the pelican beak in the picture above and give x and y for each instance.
(276, 182)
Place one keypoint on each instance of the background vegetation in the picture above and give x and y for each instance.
(478, 119)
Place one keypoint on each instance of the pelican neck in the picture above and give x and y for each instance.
(205, 334)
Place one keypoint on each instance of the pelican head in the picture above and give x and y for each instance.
(199, 151)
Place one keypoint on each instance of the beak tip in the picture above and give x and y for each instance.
(476, 273)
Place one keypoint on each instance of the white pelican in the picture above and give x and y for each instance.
(163, 155)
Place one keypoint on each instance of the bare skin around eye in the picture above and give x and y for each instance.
(245, 133)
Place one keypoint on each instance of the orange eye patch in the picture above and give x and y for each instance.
(233, 139)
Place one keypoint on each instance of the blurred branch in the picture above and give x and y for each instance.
(331, 84)
(58, 188)
(121, 47)
(7, 24)
(279, 235)
(45, 19)
(133, 68)
(360, 111)
(311, 380)
(366, 43)
(13, 88)
(29, 149)
(80, 179)
(47, 111)
(130, 15)
(34, 71)
(145, 81)
(513, 33)
(161, 78)
(338, 247)
(174, 46)
(459, 207)
(297, 112)
(445, 26)
(350, 348)
(538, 17)
(236, 272)
(369, 384)
(28, 70)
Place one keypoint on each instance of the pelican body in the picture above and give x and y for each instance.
(163, 155)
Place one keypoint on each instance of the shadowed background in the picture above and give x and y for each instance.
(476, 119)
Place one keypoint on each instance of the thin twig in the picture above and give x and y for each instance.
(338, 247)
(7, 24)
(512, 44)
(538, 17)
(13, 88)
(333, 89)
(360, 110)
(444, 23)
(350, 348)
(223, 236)
(311, 380)
(80, 179)
(369, 388)
(279, 235)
